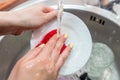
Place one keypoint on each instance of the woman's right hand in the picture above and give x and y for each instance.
(42, 63)
(30, 18)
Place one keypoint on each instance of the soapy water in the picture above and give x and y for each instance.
(100, 66)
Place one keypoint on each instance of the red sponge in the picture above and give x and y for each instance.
(47, 37)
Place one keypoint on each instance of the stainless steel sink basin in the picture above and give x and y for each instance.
(103, 25)
(104, 28)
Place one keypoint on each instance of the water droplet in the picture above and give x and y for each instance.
(29, 65)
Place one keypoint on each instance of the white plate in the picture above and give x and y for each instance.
(78, 34)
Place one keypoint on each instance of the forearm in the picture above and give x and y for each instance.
(7, 23)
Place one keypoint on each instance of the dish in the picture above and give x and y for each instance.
(79, 35)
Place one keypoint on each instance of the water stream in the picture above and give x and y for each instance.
(59, 14)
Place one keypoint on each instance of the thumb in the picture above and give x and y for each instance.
(51, 15)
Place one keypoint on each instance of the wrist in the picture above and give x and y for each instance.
(8, 22)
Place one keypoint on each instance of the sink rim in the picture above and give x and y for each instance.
(102, 12)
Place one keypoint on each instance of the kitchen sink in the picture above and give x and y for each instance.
(103, 25)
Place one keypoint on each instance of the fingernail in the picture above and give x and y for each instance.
(42, 45)
(66, 35)
(71, 45)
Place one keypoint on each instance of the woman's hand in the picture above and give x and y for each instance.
(14, 22)
(35, 16)
(42, 63)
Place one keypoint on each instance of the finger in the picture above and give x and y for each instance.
(47, 50)
(63, 57)
(56, 52)
(47, 9)
(33, 53)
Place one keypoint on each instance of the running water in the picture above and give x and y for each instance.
(59, 14)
